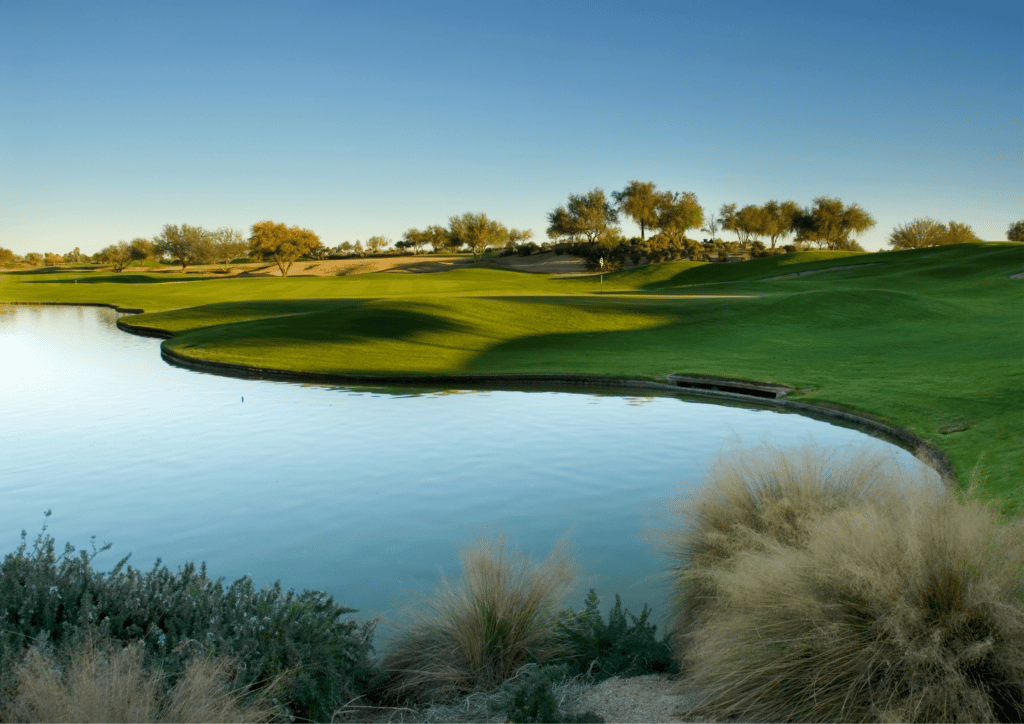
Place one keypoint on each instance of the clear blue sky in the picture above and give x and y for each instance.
(362, 118)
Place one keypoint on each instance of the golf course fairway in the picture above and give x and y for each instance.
(928, 340)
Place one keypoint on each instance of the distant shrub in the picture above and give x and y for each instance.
(49, 598)
(527, 248)
(626, 645)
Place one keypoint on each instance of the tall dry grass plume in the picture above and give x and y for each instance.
(890, 601)
(474, 634)
(101, 681)
(749, 498)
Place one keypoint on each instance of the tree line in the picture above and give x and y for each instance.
(587, 225)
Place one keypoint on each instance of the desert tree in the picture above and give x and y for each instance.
(711, 225)
(747, 223)
(831, 223)
(477, 231)
(957, 233)
(777, 219)
(185, 244)
(925, 231)
(677, 214)
(518, 237)
(34, 258)
(414, 239)
(51, 259)
(587, 216)
(7, 256)
(141, 249)
(641, 202)
(228, 245)
(118, 255)
(1015, 232)
(437, 237)
(917, 233)
(377, 244)
(282, 243)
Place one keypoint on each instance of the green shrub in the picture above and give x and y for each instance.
(177, 615)
(529, 696)
(624, 646)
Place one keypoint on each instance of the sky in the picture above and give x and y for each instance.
(356, 119)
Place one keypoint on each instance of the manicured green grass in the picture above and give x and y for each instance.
(931, 340)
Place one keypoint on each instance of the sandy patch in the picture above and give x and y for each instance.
(652, 698)
(348, 267)
(1018, 276)
(546, 263)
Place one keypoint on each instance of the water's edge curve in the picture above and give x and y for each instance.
(933, 456)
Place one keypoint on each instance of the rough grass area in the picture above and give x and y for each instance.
(475, 633)
(927, 339)
(103, 681)
(814, 591)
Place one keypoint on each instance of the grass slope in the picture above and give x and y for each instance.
(929, 339)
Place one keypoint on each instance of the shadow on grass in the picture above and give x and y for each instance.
(119, 279)
(311, 320)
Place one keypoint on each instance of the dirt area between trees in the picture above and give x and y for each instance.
(546, 263)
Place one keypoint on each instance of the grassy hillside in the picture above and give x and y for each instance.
(931, 340)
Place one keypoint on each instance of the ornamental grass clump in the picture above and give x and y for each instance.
(474, 634)
(906, 604)
(101, 680)
(754, 497)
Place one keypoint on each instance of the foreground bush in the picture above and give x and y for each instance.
(475, 634)
(753, 498)
(46, 598)
(100, 681)
(626, 645)
(905, 606)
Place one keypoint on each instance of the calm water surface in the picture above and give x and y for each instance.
(365, 494)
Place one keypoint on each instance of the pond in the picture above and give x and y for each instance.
(368, 494)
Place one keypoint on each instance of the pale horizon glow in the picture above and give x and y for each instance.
(355, 119)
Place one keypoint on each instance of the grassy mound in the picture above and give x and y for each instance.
(828, 592)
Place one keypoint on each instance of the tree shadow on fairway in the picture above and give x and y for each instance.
(312, 320)
(226, 313)
(119, 279)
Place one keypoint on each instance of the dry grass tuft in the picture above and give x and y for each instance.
(105, 682)
(753, 497)
(899, 605)
(475, 634)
